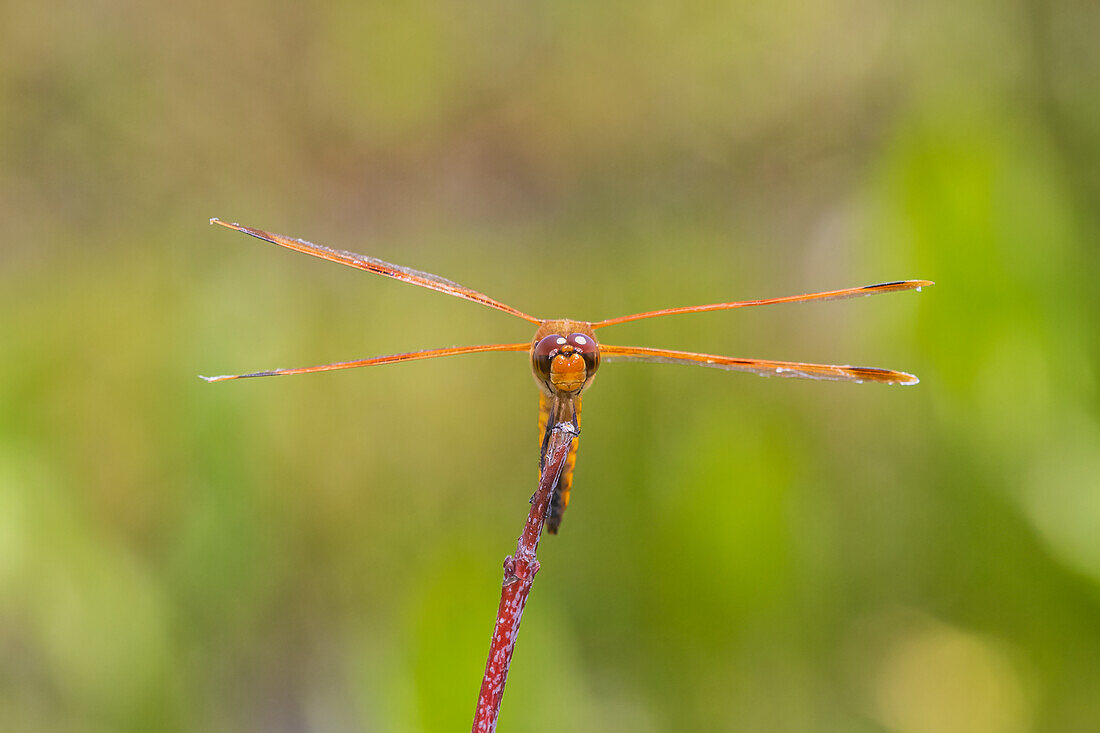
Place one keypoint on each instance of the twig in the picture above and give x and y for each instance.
(519, 574)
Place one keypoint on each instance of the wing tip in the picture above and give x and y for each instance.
(900, 285)
(891, 377)
(226, 224)
(861, 374)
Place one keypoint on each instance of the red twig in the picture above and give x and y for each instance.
(519, 574)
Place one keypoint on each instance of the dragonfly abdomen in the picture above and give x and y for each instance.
(560, 498)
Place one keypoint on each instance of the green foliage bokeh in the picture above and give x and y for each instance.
(323, 552)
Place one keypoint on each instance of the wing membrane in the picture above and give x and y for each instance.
(378, 360)
(890, 287)
(763, 367)
(372, 264)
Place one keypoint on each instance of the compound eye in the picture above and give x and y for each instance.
(587, 347)
(544, 352)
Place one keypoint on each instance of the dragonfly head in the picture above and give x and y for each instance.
(565, 364)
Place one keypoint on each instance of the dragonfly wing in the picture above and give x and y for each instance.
(763, 367)
(378, 360)
(372, 264)
(890, 287)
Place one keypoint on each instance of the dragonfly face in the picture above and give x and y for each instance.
(564, 357)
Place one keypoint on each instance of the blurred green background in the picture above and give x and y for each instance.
(322, 553)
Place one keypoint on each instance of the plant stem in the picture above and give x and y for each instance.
(519, 574)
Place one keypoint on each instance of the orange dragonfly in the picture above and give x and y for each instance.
(565, 353)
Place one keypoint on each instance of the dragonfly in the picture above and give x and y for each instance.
(565, 354)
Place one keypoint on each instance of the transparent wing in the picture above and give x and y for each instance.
(378, 360)
(763, 367)
(371, 264)
(890, 287)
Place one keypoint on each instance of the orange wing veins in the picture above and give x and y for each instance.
(379, 360)
(827, 295)
(763, 367)
(372, 264)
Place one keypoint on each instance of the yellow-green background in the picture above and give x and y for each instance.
(322, 553)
